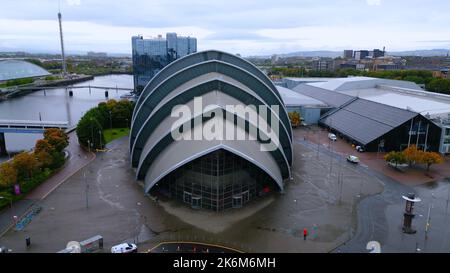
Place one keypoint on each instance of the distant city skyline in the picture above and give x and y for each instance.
(245, 27)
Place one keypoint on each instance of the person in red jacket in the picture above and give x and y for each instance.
(305, 233)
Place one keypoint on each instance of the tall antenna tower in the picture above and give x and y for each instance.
(62, 45)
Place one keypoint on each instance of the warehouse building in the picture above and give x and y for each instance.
(382, 114)
(310, 109)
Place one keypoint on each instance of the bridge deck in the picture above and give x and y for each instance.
(75, 87)
(30, 126)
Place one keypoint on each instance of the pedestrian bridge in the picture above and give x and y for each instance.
(30, 126)
(76, 87)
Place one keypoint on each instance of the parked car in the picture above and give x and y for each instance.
(3, 249)
(353, 159)
(332, 137)
(359, 149)
(124, 248)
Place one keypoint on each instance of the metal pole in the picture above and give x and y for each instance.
(110, 120)
(418, 134)
(318, 142)
(87, 190)
(428, 222)
(410, 129)
(426, 138)
(100, 138)
(92, 133)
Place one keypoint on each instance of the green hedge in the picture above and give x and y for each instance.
(110, 114)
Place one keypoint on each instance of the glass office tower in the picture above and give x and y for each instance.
(152, 55)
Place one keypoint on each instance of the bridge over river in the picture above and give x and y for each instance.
(27, 127)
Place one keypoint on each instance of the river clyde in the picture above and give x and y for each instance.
(57, 105)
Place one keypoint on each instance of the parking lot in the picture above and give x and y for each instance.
(413, 176)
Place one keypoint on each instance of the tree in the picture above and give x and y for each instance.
(430, 158)
(26, 164)
(122, 113)
(413, 154)
(45, 158)
(44, 145)
(8, 175)
(88, 129)
(57, 138)
(295, 118)
(439, 86)
(395, 157)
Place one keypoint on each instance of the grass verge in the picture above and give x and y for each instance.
(115, 133)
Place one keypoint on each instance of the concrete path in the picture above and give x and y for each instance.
(380, 216)
(78, 158)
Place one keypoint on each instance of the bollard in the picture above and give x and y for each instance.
(28, 241)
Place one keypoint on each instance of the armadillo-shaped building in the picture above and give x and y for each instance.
(213, 173)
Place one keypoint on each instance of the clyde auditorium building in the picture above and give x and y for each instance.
(211, 174)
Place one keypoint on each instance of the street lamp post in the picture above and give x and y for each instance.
(100, 138)
(87, 190)
(110, 120)
(89, 145)
(92, 132)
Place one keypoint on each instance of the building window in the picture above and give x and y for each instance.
(200, 185)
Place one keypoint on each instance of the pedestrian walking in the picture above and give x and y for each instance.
(305, 233)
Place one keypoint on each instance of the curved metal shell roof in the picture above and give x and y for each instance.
(220, 79)
(18, 69)
(172, 158)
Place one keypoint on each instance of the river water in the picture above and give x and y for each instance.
(56, 105)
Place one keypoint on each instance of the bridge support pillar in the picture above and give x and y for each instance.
(3, 144)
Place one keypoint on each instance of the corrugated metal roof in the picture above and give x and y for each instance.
(331, 98)
(365, 121)
(292, 98)
(354, 83)
(382, 113)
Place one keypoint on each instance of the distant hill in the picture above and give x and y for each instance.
(320, 53)
(334, 54)
(423, 53)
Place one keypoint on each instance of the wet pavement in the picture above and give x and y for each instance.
(413, 176)
(380, 216)
(117, 209)
(77, 158)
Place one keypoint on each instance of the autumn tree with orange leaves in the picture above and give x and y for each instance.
(430, 158)
(295, 118)
(8, 175)
(26, 164)
(413, 155)
(57, 138)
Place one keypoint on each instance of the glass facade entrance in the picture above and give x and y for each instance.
(217, 181)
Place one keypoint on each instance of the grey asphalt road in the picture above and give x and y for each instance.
(380, 216)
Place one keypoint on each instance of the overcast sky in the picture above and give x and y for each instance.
(248, 27)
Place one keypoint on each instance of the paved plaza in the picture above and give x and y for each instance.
(342, 205)
(117, 209)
